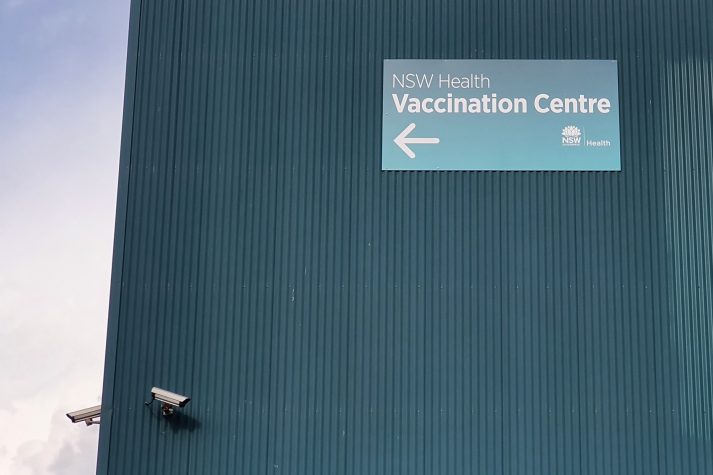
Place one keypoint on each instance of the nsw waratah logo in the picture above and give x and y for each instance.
(571, 136)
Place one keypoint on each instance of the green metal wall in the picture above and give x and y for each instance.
(330, 318)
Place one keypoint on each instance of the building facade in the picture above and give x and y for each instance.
(329, 317)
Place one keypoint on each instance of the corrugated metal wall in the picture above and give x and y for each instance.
(327, 317)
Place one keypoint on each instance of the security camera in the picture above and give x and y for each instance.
(168, 400)
(89, 416)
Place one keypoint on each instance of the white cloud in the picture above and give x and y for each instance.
(59, 146)
(66, 450)
(58, 211)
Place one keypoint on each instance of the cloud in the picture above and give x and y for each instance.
(57, 208)
(68, 450)
(79, 457)
(59, 144)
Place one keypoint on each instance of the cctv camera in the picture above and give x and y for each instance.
(89, 415)
(168, 400)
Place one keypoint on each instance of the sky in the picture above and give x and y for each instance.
(62, 66)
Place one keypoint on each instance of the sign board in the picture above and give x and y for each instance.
(500, 115)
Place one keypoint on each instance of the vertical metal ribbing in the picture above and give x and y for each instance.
(327, 317)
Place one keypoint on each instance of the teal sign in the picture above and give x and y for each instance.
(500, 115)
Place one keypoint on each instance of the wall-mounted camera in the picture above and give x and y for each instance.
(169, 400)
(89, 416)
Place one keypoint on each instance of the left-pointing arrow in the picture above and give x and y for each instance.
(402, 140)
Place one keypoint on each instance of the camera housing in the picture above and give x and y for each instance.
(90, 415)
(169, 400)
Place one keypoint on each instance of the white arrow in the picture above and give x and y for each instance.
(402, 140)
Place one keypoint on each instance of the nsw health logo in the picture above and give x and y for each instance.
(571, 136)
